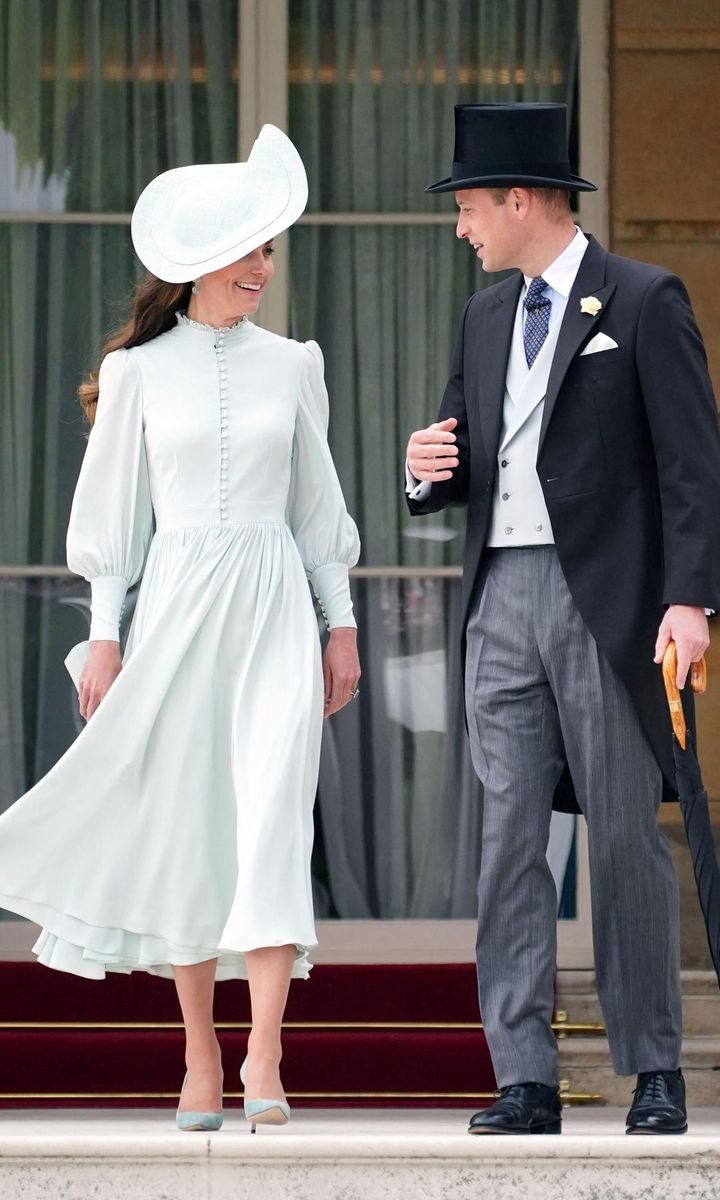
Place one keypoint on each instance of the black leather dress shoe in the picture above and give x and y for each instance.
(659, 1104)
(522, 1108)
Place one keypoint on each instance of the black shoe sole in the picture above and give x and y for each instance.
(653, 1132)
(549, 1127)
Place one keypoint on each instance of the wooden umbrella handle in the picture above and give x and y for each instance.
(698, 683)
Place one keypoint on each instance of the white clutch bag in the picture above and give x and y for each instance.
(75, 661)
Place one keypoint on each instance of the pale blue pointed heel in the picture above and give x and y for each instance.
(264, 1112)
(188, 1121)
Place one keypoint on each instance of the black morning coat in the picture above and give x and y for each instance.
(628, 461)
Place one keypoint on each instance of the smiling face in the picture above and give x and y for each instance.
(235, 291)
(497, 231)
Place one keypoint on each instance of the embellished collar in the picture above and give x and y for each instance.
(187, 322)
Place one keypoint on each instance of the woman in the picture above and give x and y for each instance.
(185, 805)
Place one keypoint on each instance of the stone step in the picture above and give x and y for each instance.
(357, 1156)
(586, 1070)
(578, 1004)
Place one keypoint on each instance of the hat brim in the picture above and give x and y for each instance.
(274, 182)
(573, 184)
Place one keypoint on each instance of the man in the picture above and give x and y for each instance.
(580, 429)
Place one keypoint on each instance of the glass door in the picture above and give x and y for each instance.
(98, 98)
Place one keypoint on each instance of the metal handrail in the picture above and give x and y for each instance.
(313, 218)
(15, 571)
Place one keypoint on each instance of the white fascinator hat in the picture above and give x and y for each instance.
(192, 220)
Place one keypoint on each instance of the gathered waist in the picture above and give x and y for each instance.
(246, 512)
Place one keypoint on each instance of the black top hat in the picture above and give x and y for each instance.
(511, 145)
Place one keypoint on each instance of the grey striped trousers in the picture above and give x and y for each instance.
(538, 687)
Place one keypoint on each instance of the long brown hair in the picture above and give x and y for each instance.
(153, 312)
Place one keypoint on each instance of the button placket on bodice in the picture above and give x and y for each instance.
(220, 337)
(224, 424)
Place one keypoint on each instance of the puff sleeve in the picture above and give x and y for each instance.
(325, 534)
(111, 520)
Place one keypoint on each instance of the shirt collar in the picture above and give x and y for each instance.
(560, 275)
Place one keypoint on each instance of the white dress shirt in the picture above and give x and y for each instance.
(560, 277)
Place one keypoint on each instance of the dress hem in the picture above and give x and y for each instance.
(63, 946)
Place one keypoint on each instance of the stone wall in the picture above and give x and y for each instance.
(665, 209)
(665, 145)
(665, 186)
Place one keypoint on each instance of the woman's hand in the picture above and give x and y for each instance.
(341, 669)
(102, 667)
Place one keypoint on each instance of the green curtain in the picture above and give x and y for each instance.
(96, 97)
(372, 89)
(373, 84)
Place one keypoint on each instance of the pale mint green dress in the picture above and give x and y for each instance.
(178, 826)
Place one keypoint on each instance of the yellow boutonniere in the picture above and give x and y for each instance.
(590, 305)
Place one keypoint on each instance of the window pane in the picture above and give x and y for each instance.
(383, 303)
(69, 285)
(398, 818)
(96, 97)
(372, 89)
(101, 96)
(373, 84)
(398, 810)
(40, 620)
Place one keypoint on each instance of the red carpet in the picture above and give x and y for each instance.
(354, 1035)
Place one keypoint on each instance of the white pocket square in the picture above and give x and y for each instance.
(601, 341)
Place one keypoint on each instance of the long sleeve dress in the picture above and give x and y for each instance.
(178, 826)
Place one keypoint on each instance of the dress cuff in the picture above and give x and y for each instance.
(331, 585)
(108, 602)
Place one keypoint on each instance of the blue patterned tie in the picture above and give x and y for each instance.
(537, 319)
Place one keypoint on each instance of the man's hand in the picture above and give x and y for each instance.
(341, 668)
(687, 627)
(432, 452)
(102, 667)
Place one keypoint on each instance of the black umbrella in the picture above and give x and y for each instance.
(694, 801)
